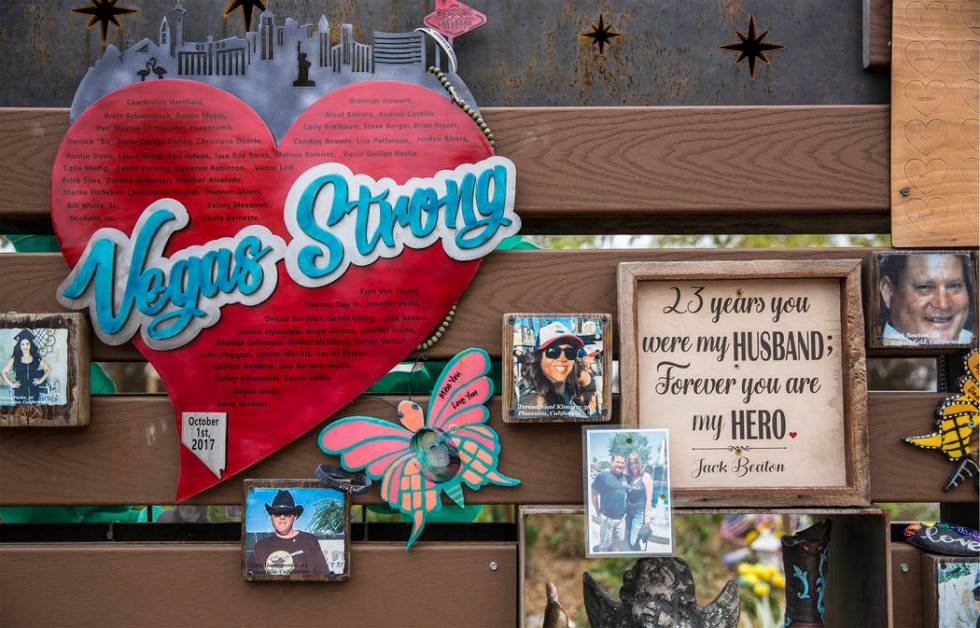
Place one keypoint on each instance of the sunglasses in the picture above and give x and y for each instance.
(552, 353)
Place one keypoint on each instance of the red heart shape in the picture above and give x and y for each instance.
(792, 434)
(110, 167)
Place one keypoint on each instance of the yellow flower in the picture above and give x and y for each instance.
(779, 580)
(751, 579)
(763, 571)
(761, 589)
(743, 568)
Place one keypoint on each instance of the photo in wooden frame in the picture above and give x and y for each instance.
(922, 299)
(295, 530)
(757, 369)
(950, 591)
(858, 585)
(44, 370)
(557, 368)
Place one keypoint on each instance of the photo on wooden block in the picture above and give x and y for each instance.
(951, 591)
(627, 492)
(43, 370)
(557, 368)
(295, 530)
(923, 299)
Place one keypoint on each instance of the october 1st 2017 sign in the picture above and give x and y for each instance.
(748, 371)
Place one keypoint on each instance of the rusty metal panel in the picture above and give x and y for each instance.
(528, 54)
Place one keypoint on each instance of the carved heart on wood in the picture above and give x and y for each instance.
(970, 93)
(925, 18)
(926, 176)
(925, 137)
(927, 215)
(925, 57)
(925, 97)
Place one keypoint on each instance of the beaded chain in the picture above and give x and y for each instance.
(436, 336)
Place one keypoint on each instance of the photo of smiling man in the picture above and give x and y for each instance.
(924, 299)
(558, 366)
(291, 530)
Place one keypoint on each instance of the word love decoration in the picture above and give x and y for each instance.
(428, 454)
(270, 285)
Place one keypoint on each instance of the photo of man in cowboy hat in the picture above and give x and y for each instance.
(287, 551)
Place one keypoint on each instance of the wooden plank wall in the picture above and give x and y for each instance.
(906, 577)
(672, 169)
(508, 281)
(129, 455)
(199, 585)
(665, 170)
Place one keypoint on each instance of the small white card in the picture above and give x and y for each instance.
(205, 435)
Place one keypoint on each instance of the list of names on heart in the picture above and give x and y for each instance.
(746, 374)
(222, 164)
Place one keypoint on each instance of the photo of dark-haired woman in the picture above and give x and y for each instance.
(26, 372)
(555, 367)
(555, 381)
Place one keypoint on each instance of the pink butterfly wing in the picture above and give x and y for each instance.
(366, 443)
(405, 488)
(460, 392)
(478, 452)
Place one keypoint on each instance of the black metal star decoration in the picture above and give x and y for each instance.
(601, 34)
(752, 47)
(103, 12)
(246, 6)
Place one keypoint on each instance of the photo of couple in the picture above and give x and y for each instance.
(627, 488)
(559, 368)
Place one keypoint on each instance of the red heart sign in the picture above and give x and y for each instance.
(792, 434)
(279, 367)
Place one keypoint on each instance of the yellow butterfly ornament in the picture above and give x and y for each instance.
(957, 426)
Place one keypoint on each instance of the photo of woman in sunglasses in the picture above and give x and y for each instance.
(558, 369)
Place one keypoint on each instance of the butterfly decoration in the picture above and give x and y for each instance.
(957, 426)
(431, 453)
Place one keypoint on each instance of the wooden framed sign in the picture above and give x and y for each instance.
(757, 368)
(44, 370)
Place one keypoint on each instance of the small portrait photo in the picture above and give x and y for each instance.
(557, 367)
(35, 366)
(295, 530)
(43, 370)
(627, 492)
(958, 590)
(923, 299)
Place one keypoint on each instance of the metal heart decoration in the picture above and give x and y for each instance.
(272, 284)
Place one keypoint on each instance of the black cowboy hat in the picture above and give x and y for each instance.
(283, 504)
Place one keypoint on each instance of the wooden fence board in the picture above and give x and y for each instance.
(935, 132)
(128, 455)
(906, 579)
(595, 169)
(877, 34)
(436, 584)
(508, 281)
